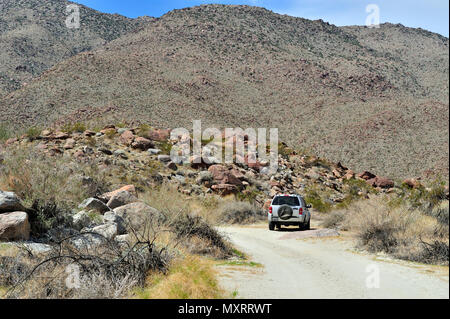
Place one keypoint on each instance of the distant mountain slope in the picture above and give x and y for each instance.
(343, 92)
(34, 37)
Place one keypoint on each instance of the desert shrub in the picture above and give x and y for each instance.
(74, 127)
(441, 212)
(143, 130)
(313, 197)
(399, 231)
(422, 198)
(436, 252)
(249, 195)
(46, 216)
(34, 176)
(195, 227)
(240, 213)
(33, 133)
(333, 219)
(4, 133)
(190, 221)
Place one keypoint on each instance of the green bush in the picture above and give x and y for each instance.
(33, 133)
(313, 197)
(4, 133)
(74, 127)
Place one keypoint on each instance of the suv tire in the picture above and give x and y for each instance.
(307, 225)
(271, 226)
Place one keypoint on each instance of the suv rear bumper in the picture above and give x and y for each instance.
(290, 221)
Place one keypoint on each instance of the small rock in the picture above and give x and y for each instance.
(171, 165)
(142, 143)
(154, 151)
(164, 158)
(105, 151)
(123, 238)
(121, 154)
(366, 175)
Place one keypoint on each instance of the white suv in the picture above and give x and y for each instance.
(289, 210)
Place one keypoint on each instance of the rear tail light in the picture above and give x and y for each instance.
(300, 210)
(270, 210)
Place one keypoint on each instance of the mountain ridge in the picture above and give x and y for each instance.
(363, 96)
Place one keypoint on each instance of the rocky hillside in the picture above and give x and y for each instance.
(34, 37)
(374, 99)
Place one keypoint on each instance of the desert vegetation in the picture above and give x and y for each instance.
(413, 225)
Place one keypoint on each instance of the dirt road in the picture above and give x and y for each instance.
(294, 266)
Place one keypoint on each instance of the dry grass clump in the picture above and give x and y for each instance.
(232, 212)
(189, 278)
(399, 231)
(191, 222)
(34, 176)
(334, 219)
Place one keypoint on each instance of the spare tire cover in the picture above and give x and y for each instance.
(285, 212)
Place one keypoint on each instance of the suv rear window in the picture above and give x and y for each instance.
(286, 200)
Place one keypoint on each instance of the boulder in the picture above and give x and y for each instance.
(113, 218)
(127, 188)
(94, 204)
(121, 198)
(14, 226)
(142, 143)
(366, 175)
(70, 144)
(87, 241)
(204, 177)
(222, 175)
(157, 135)
(9, 202)
(411, 183)
(224, 189)
(381, 182)
(81, 220)
(137, 214)
(126, 138)
(349, 175)
(109, 231)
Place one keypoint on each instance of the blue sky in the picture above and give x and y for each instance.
(427, 14)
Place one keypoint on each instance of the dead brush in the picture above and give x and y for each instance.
(240, 213)
(108, 270)
(399, 231)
